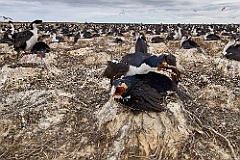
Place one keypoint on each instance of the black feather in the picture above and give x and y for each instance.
(21, 38)
(146, 91)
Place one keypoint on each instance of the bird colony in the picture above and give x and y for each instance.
(119, 91)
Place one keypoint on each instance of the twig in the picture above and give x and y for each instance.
(215, 132)
(222, 136)
(136, 156)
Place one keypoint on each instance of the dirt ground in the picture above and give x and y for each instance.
(63, 111)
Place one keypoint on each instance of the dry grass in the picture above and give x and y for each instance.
(64, 111)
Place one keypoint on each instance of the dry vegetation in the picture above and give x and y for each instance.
(63, 111)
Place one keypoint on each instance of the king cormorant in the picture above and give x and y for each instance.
(27, 39)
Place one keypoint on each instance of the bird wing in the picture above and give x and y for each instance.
(40, 46)
(134, 59)
(141, 45)
(145, 98)
(186, 45)
(238, 46)
(115, 70)
(147, 92)
(233, 53)
(213, 37)
(21, 38)
(193, 43)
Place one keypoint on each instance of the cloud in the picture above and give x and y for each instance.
(152, 11)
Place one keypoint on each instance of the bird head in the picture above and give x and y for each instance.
(36, 23)
(118, 89)
(233, 36)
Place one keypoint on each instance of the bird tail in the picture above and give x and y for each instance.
(183, 95)
(200, 50)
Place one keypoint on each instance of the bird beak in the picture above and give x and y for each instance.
(119, 89)
(162, 66)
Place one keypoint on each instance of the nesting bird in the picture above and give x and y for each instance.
(211, 35)
(7, 38)
(188, 43)
(145, 92)
(157, 39)
(27, 39)
(141, 62)
(230, 50)
(40, 48)
(56, 38)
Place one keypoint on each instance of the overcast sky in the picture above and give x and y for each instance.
(123, 11)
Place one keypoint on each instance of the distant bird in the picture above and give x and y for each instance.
(40, 48)
(188, 43)
(122, 12)
(144, 92)
(12, 29)
(195, 31)
(6, 18)
(56, 38)
(230, 51)
(141, 44)
(7, 38)
(176, 35)
(211, 35)
(27, 39)
(77, 36)
(118, 40)
(195, 10)
(157, 39)
(223, 8)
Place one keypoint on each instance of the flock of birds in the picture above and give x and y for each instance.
(138, 80)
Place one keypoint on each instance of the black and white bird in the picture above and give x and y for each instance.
(115, 69)
(55, 38)
(230, 50)
(157, 39)
(40, 48)
(77, 36)
(6, 18)
(27, 39)
(118, 40)
(187, 43)
(145, 92)
(141, 44)
(7, 38)
(139, 63)
(176, 35)
(211, 36)
(152, 64)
